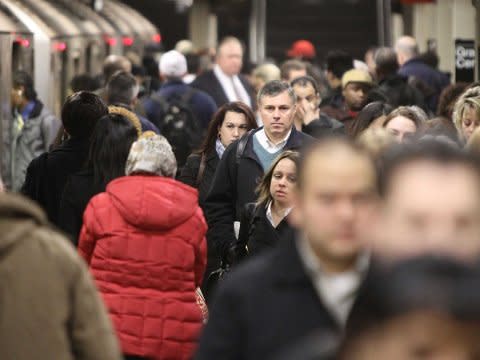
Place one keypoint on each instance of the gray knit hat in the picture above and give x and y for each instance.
(153, 155)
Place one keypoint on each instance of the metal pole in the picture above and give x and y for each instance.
(262, 29)
(5, 112)
(388, 22)
(257, 32)
(253, 32)
(380, 23)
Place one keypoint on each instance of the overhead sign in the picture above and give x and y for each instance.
(465, 58)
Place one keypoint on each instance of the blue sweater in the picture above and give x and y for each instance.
(264, 156)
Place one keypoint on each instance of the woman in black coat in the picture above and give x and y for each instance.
(228, 124)
(110, 144)
(264, 223)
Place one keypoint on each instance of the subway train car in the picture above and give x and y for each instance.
(16, 43)
(70, 38)
(55, 40)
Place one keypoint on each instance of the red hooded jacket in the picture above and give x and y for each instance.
(144, 241)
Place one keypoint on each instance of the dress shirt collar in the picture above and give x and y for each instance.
(268, 144)
(269, 213)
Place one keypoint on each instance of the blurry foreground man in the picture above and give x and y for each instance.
(430, 203)
(50, 307)
(306, 284)
(423, 308)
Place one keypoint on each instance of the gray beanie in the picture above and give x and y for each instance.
(152, 155)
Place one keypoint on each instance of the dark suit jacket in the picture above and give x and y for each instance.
(209, 83)
(265, 305)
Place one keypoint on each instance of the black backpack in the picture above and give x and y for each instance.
(179, 125)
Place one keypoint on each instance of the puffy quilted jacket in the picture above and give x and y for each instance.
(144, 241)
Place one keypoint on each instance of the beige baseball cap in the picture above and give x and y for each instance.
(356, 75)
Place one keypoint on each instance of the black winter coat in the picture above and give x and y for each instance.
(189, 174)
(48, 174)
(234, 186)
(398, 92)
(78, 191)
(324, 126)
(256, 231)
(265, 305)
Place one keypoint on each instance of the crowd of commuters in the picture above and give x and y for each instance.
(185, 209)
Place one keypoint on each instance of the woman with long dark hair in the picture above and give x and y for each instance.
(110, 144)
(229, 123)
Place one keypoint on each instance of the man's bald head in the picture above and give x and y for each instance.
(114, 63)
(406, 48)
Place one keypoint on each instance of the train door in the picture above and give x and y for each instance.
(22, 53)
(6, 80)
(58, 71)
(95, 56)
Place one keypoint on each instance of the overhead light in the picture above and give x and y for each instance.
(59, 46)
(111, 41)
(22, 41)
(127, 41)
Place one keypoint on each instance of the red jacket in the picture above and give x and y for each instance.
(144, 241)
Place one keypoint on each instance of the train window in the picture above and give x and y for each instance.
(89, 58)
(76, 64)
(16, 56)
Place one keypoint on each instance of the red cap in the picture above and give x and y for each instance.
(302, 48)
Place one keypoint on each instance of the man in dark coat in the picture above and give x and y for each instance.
(391, 85)
(308, 283)
(173, 66)
(338, 62)
(47, 174)
(246, 160)
(122, 90)
(225, 83)
(308, 118)
(431, 81)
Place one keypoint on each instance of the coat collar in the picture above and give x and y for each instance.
(212, 156)
(294, 142)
